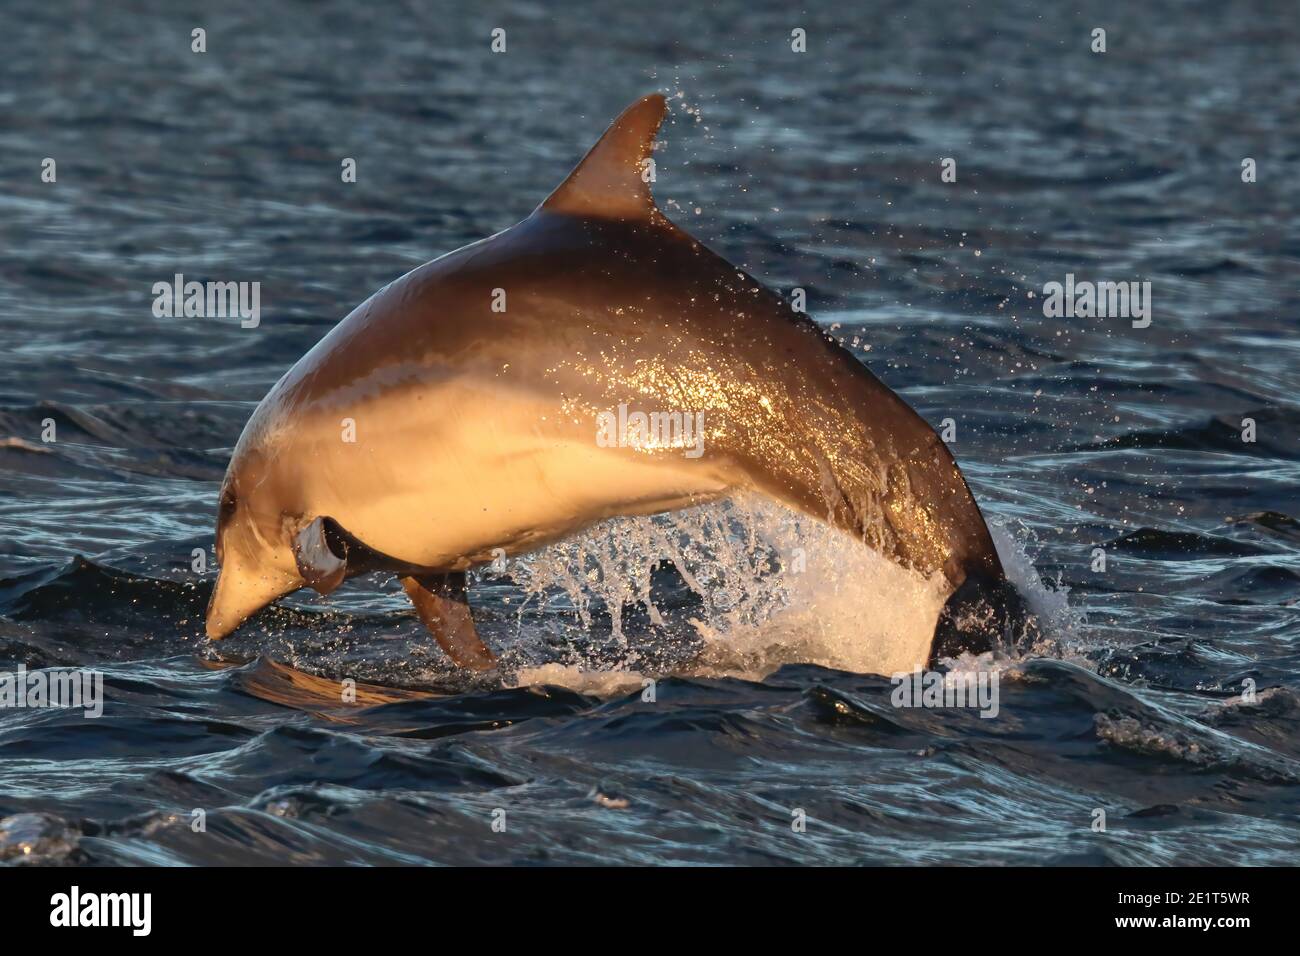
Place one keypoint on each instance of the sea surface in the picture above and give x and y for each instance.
(1144, 483)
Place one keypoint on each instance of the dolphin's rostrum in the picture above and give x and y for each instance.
(456, 412)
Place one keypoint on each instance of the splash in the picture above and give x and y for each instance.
(1059, 623)
(1016, 546)
(771, 587)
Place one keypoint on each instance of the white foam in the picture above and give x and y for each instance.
(580, 679)
(777, 588)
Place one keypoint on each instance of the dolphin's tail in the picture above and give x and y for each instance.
(985, 613)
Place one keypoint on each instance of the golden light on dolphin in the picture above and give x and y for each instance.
(475, 386)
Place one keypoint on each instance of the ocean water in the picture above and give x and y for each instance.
(1166, 690)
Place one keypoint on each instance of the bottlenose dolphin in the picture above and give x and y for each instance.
(469, 408)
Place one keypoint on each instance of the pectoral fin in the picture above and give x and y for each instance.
(441, 602)
(321, 568)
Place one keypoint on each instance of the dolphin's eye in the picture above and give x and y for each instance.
(227, 506)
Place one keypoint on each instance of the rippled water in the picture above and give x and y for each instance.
(818, 170)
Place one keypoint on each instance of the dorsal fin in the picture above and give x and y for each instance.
(608, 183)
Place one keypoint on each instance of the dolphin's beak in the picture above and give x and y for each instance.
(240, 593)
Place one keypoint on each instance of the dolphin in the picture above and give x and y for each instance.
(593, 360)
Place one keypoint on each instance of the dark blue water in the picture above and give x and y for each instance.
(818, 170)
